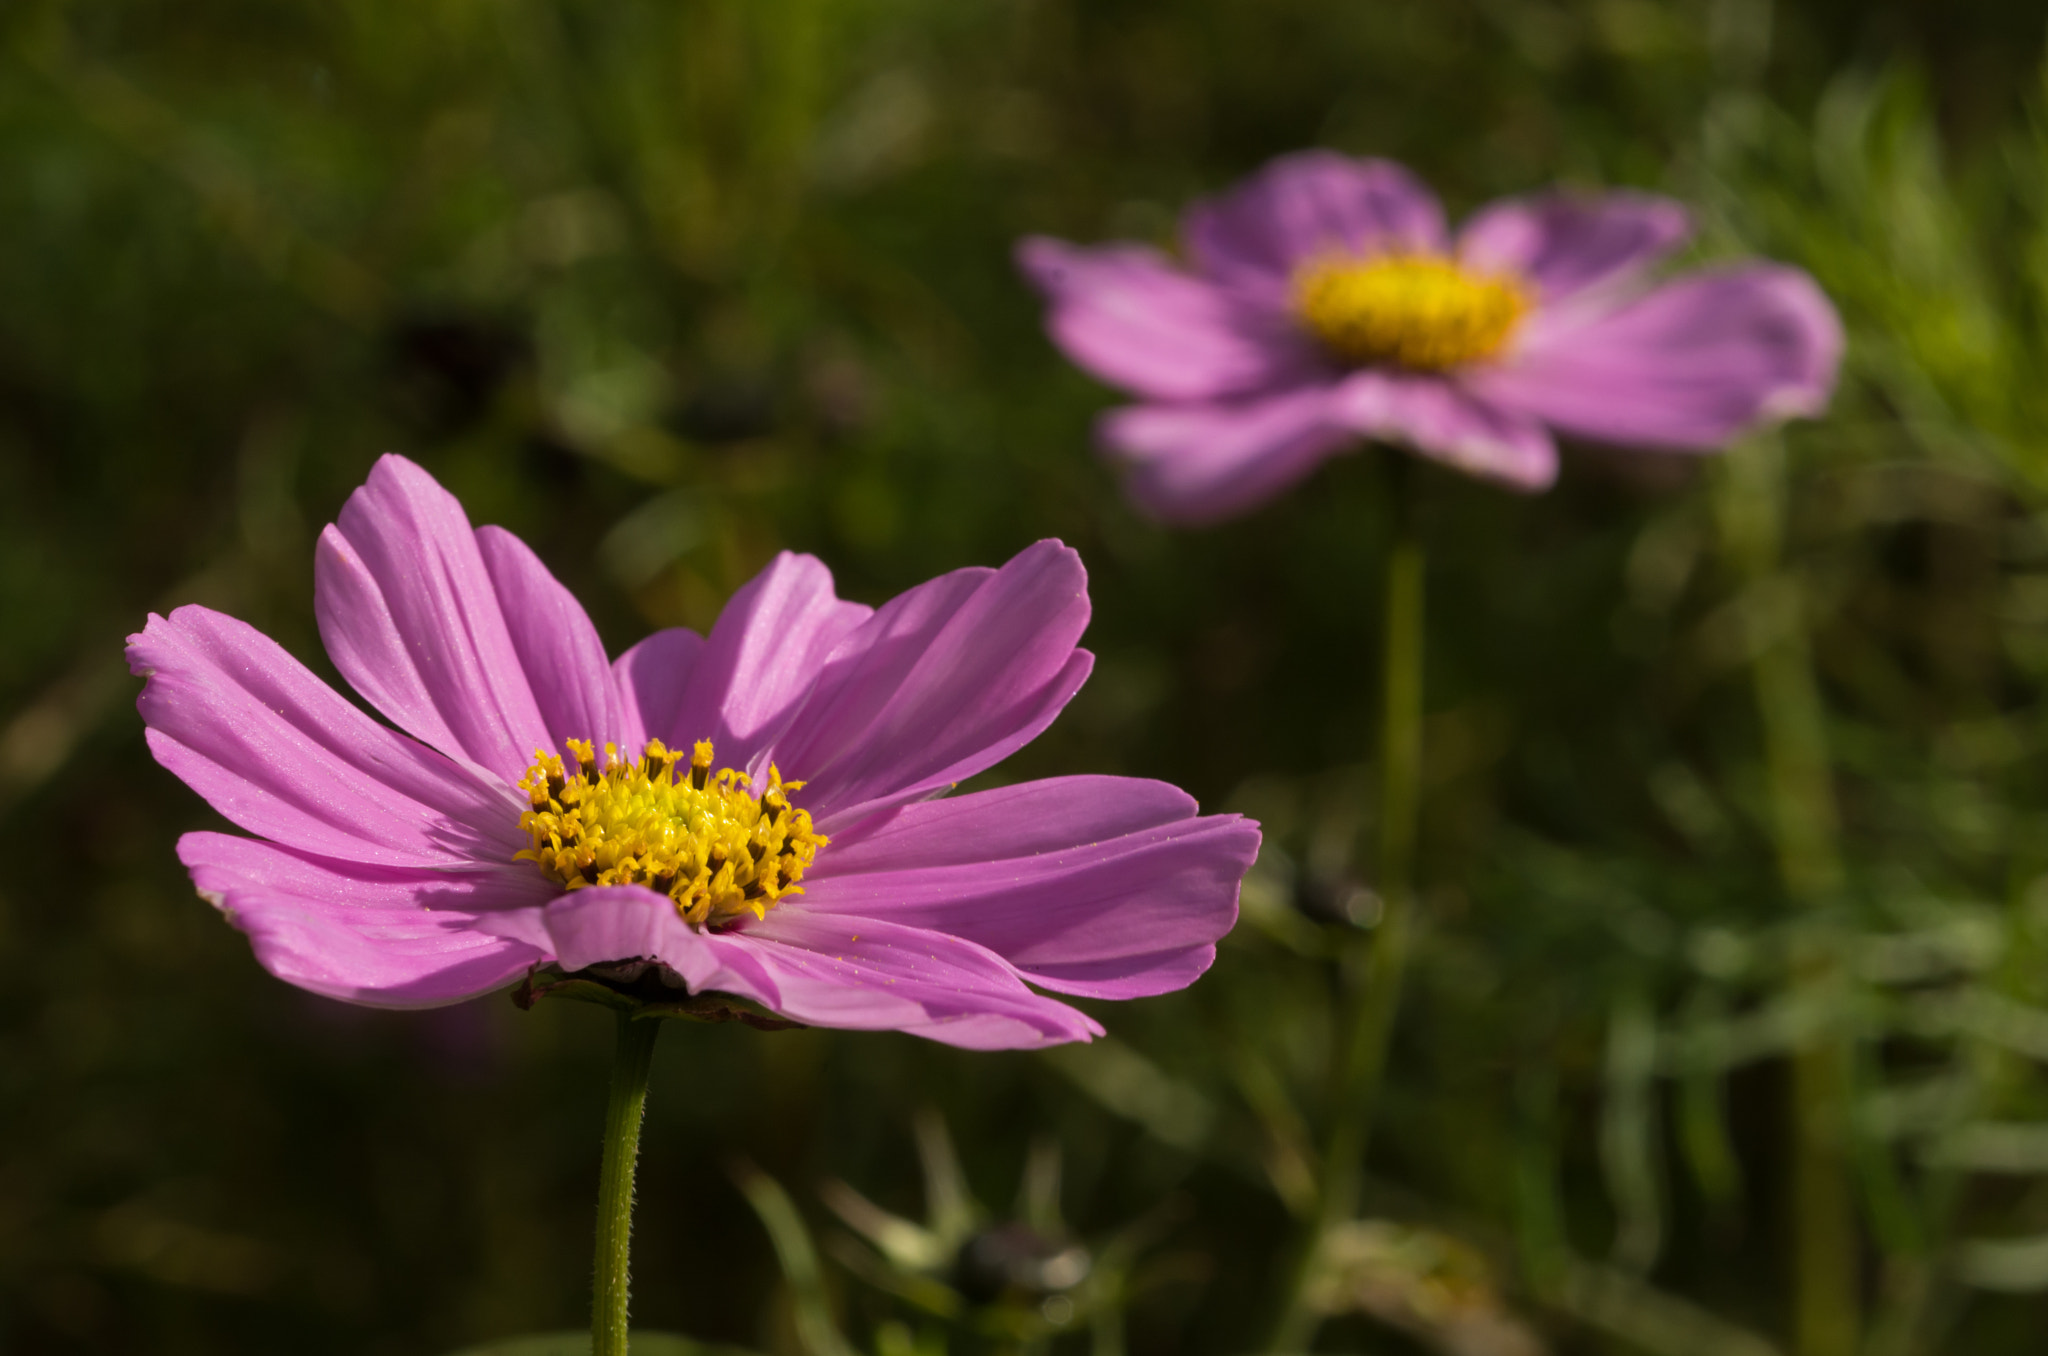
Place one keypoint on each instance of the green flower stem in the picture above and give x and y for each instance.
(1377, 963)
(634, 1055)
(1805, 829)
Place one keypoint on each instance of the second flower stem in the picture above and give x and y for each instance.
(1376, 965)
(633, 1057)
(1806, 830)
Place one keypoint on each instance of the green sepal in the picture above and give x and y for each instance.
(645, 996)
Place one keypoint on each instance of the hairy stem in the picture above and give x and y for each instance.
(634, 1055)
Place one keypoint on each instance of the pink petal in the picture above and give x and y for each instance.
(1109, 887)
(945, 680)
(998, 1031)
(759, 661)
(1128, 316)
(651, 679)
(862, 974)
(557, 647)
(393, 937)
(1566, 242)
(1200, 463)
(1688, 367)
(1444, 422)
(284, 755)
(1311, 203)
(868, 974)
(410, 616)
(631, 922)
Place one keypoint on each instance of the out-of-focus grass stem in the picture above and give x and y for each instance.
(1805, 831)
(817, 1333)
(1376, 964)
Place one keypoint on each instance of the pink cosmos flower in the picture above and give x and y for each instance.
(1324, 301)
(756, 809)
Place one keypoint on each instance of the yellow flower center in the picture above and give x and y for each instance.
(1408, 310)
(704, 840)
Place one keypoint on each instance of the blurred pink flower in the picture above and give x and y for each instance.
(414, 872)
(1324, 301)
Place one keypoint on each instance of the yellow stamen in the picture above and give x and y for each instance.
(1408, 310)
(707, 842)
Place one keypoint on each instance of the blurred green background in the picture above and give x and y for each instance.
(667, 285)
